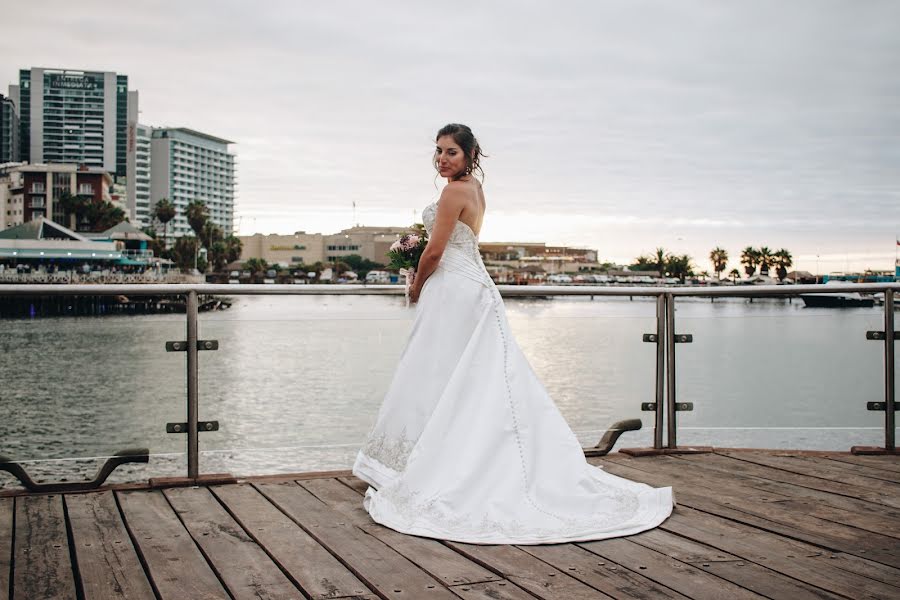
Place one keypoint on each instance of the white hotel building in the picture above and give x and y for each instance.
(188, 165)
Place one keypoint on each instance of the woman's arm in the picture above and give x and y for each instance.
(450, 207)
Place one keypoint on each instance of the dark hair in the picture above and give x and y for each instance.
(463, 136)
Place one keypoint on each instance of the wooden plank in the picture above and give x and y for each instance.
(176, 567)
(7, 506)
(42, 565)
(819, 497)
(607, 576)
(355, 483)
(739, 467)
(746, 574)
(494, 590)
(107, 562)
(858, 468)
(430, 555)
(804, 562)
(812, 469)
(667, 571)
(833, 486)
(378, 566)
(809, 508)
(528, 572)
(887, 462)
(307, 564)
(244, 567)
(729, 499)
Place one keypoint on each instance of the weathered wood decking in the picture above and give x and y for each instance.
(748, 525)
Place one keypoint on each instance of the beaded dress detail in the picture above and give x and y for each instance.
(468, 446)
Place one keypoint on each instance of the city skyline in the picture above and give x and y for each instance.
(619, 126)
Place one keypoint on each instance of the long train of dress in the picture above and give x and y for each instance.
(468, 446)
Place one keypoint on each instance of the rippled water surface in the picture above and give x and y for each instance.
(297, 380)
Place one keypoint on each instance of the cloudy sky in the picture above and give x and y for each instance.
(617, 125)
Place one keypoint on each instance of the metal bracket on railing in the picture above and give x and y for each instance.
(684, 406)
(881, 406)
(651, 338)
(183, 346)
(183, 427)
(648, 406)
(879, 335)
(684, 338)
(135, 455)
(612, 434)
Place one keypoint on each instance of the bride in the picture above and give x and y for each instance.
(468, 446)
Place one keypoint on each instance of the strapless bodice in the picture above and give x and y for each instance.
(461, 254)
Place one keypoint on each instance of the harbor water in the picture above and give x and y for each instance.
(297, 380)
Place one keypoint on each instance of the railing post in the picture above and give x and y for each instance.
(193, 443)
(660, 370)
(889, 416)
(671, 437)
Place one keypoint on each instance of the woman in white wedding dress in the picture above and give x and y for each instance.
(468, 446)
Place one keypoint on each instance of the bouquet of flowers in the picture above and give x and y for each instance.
(405, 254)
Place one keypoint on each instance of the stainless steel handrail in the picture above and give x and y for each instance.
(211, 289)
(665, 330)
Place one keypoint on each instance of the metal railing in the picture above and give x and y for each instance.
(665, 407)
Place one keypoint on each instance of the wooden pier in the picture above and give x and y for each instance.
(749, 524)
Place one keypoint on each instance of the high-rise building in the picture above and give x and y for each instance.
(189, 165)
(77, 117)
(9, 130)
(139, 182)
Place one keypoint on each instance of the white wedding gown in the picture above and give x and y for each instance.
(469, 447)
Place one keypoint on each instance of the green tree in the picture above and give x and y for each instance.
(783, 261)
(154, 245)
(643, 263)
(73, 206)
(766, 260)
(234, 247)
(750, 260)
(197, 215)
(679, 266)
(660, 257)
(184, 252)
(164, 211)
(719, 258)
(256, 265)
(360, 265)
(100, 215)
(735, 275)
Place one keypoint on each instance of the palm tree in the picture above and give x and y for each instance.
(735, 275)
(750, 258)
(719, 258)
(164, 211)
(234, 247)
(765, 259)
(783, 262)
(197, 215)
(73, 207)
(661, 257)
(679, 266)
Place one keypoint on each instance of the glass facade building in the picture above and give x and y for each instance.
(80, 117)
(9, 131)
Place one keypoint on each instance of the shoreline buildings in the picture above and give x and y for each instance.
(87, 119)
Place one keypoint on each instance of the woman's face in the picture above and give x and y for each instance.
(449, 157)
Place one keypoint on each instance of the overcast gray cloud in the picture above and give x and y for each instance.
(617, 125)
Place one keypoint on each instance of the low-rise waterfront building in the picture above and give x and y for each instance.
(371, 243)
(33, 191)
